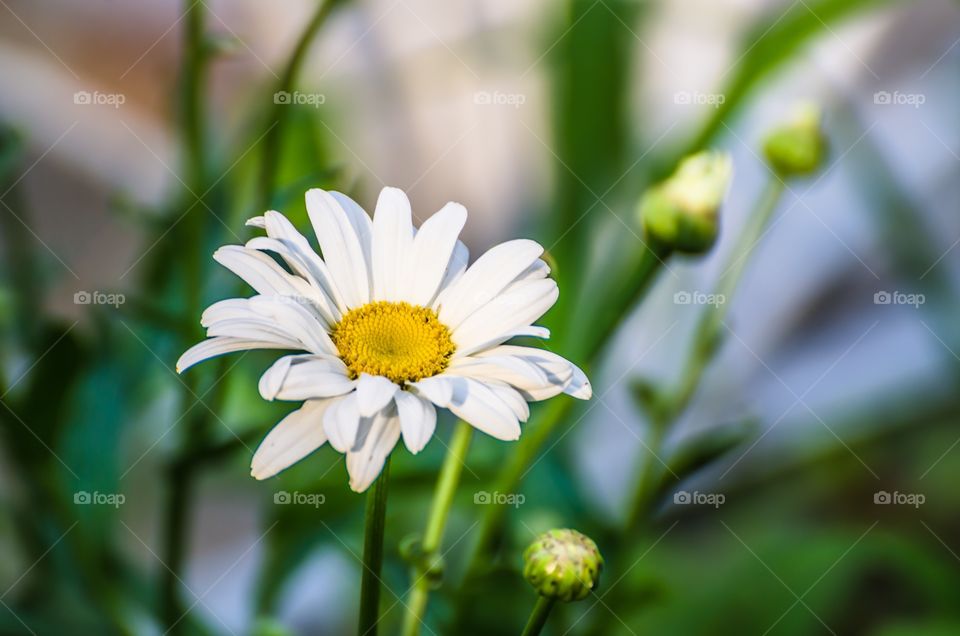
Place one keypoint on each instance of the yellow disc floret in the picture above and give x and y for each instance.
(399, 341)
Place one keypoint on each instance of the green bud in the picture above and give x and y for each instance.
(682, 211)
(798, 147)
(563, 565)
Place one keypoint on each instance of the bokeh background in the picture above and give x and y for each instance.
(124, 163)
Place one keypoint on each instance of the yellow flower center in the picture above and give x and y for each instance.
(399, 341)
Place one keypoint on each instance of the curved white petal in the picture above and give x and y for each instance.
(559, 370)
(373, 393)
(512, 398)
(376, 438)
(293, 438)
(493, 271)
(431, 253)
(213, 347)
(499, 319)
(418, 420)
(472, 402)
(255, 329)
(513, 370)
(344, 239)
(326, 307)
(279, 227)
(286, 320)
(392, 242)
(261, 272)
(341, 421)
(304, 377)
(458, 265)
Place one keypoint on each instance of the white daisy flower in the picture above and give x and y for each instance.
(392, 323)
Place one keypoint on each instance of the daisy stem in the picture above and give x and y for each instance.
(278, 114)
(436, 524)
(538, 616)
(540, 430)
(704, 348)
(374, 524)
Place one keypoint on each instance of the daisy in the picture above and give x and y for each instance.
(388, 325)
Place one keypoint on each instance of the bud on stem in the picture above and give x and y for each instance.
(798, 147)
(682, 211)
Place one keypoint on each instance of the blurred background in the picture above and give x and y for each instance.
(137, 137)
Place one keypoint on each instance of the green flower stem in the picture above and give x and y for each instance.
(287, 81)
(702, 351)
(374, 525)
(542, 428)
(436, 524)
(539, 616)
(179, 482)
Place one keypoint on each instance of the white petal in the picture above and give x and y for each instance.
(375, 440)
(341, 421)
(345, 248)
(512, 398)
(261, 272)
(458, 265)
(280, 228)
(213, 347)
(558, 369)
(304, 377)
(511, 370)
(392, 242)
(473, 402)
(418, 420)
(293, 438)
(430, 257)
(257, 221)
(493, 271)
(531, 331)
(373, 393)
(255, 329)
(499, 319)
(283, 319)
(327, 308)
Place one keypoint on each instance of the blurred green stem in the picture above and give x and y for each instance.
(702, 351)
(538, 616)
(649, 263)
(374, 525)
(274, 136)
(436, 524)
(180, 480)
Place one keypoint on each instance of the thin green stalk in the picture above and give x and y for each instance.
(179, 482)
(436, 524)
(542, 428)
(286, 83)
(539, 616)
(703, 349)
(374, 525)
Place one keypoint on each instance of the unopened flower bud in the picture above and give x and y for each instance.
(798, 147)
(563, 565)
(682, 212)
